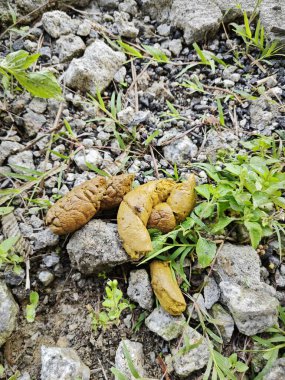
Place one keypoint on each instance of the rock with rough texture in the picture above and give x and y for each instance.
(92, 156)
(157, 10)
(263, 113)
(198, 20)
(211, 292)
(239, 264)
(272, 17)
(57, 23)
(180, 151)
(96, 247)
(217, 140)
(139, 289)
(192, 360)
(44, 239)
(135, 350)
(8, 313)
(225, 322)
(165, 325)
(24, 159)
(68, 47)
(33, 122)
(126, 115)
(129, 6)
(7, 148)
(253, 309)
(125, 27)
(95, 70)
(63, 364)
(231, 11)
(46, 277)
(196, 306)
(277, 371)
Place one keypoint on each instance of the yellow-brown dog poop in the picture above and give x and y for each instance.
(160, 204)
(78, 206)
(166, 288)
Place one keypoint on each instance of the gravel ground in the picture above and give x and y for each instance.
(75, 45)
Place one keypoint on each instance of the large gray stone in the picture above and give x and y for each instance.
(165, 325)
(8, 313)
(277, 371)
(91, 156)
(239, 264)
(63, 364)
(232, 11)
(211, 292)
(192, 360)
(57, 23)
(7, 148)
(135, 350)
(180, 151)
(225, 322)
(272, 16)
(157, 10)
(139, 289)
(253, 310)
(125, 27)
(23, 159)
(263, 113)
(96, 247)
(96, 69)
(33, 122)
(69, 47)
(217, 140)
(43, 239)
(198, 19)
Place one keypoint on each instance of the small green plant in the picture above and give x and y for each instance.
(32, 307)
(206, 57)
(7, 255)
(246, 190)
(41, 83)
(271, 344)
(111, 111)
(113, 305)
(257, 39)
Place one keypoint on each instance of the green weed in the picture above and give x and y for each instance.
(7, 255)
(257, 39)
(32, 306)
(15, 66)
(113, 305)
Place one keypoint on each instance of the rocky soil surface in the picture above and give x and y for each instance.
(48, 146)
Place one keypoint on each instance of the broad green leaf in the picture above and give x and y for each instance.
(206, 251)
(30, 313)
(9, 243)
(221, 224)
(5, 210)
(204, 190)
(41, 84)
(34, 298)
(205, 210)
(241, 367)
(255, 232)
(259, 199)
(18, 61)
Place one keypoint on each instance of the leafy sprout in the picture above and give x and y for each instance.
(15, 65)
